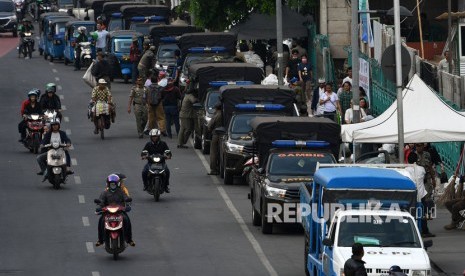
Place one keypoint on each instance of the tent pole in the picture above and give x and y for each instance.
(279, 40)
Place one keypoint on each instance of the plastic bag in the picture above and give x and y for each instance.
(89, 78)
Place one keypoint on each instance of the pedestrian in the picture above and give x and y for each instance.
(102, 35)
(134, 56)
(456, 206)
(187, 117)
(147, 61)
(349, 114)
(318, 93)
(355, 266)
(300, 97)
(82, 37)
(349, 76)
(251, 57)
(306, 76)
(297, 44)
(418, 174)
(171, 97)
(292, 70)
(156, 114)
(102, 69)
(345, 96)
(330, 102)
(444, 64)
(138, 99)
(395, 270)
(424, 160)
(178, 68)
(215, 122)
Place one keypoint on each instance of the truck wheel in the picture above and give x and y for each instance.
(15, 33)
(221, 168)
(306, 255)
(228, 177)
(66, 61)
(205, 145)
(126, 78)
(256, 218)
(267, 227)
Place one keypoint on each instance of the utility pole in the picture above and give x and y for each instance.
(279, 40)
(400, 113)
(449, 32)
(355, 70)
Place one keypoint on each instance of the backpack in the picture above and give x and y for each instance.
(154, 96)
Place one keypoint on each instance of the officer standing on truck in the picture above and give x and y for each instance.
(355, 266)
(215, 122)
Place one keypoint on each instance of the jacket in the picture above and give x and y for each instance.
(101, 69)
(187, 108)
(156, 148)
(117, 197)
(64, 138)
(147, 60)
(216, 121)
(134, 53)
(47, 102)
(28, 109)
(354, 267)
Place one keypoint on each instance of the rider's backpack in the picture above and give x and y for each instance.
(155, 94)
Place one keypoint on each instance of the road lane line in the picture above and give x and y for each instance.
(54, 70)
(240, 220)
(85, 221)
(73, 161)
(77, 179)
(68, 132)
(66, 119)
(51, 63)
(81, 199)
(59, 87)
(63, 107)
(57, 79)
(90, 247)
(61, 97)
(95, 273)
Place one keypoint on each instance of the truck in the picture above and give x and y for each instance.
(367, 204)
(288, 150)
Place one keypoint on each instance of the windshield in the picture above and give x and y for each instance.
(115, 25)
(188, 62)
(143, 28)
(379, 231)
(167, 51)
(297, 163)
(213, 99)
(6, 6)
(240, 124)
(60, 28)
(122, 45)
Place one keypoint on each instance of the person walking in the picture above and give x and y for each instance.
(187, 116)
(355, 266)
(147, 61)
(215, 122)
(171, 97)
(101, 43)
(345, 97)
(305, 76)
(292, 70)
(134, 56)
(331, 103)
(138, 99)
(155, 100)
(318, 93)
(102, 69)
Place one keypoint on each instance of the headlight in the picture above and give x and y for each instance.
(208, 119)
(275, 192)
(57, 42)
(421, 272)
(234, 147)
(156, 159)
(158, 66)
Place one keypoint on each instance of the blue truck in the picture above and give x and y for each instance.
(371, 205)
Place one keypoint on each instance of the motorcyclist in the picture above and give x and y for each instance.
(82, 37)
(54, 135)
(50, 100)
(25, 27)
(27, 101)
(123, 187)
(114, 195)
(32, 107)
(100, 94)
(155, 146)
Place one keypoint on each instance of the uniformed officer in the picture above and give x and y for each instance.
(215, 122)
(137, 98)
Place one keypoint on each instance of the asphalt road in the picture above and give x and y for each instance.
(201, 228)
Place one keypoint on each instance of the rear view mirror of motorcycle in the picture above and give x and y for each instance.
(144, 153)
(167, 152)
(97, 201)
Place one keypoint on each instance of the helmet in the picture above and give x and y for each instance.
(113, 182)
(33, 92)
(395, 268)
(155, 132)
(55, 121)
(82, 29)
(51, 87)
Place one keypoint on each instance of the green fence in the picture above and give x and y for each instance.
(383, 94)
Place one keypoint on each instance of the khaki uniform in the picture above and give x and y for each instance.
(215, 122)
(424, 160)
(137, 98)
(187, 116)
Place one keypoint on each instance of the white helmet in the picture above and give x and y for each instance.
(82, 29)
(155, 132)
(55, 121)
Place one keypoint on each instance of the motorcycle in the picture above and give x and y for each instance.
(34, 130)
(56, 164)
(27, 45)
(20, 8)
(86, 54)
(157, 173)
(49, 115)
(102, 112)
(114, 237)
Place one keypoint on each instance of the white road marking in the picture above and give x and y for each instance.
(85, 221)
(81, 199)
(240, 220)
(63, 107)
(54, 70)
(59, 87)
(57, 79)
(73, 161)
(68, 132)
(38, 38)
(77, 179)
(71, 147)
(90, 247)
(61, 97)
(66, 119)
(95, 273)
(51, 63)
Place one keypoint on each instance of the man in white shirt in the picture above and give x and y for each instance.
(318, 93)
(444, 63)
(101, 42)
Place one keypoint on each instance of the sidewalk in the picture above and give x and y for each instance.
(447, 254)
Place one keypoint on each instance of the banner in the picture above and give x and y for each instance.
(364, 77)
(366, 34)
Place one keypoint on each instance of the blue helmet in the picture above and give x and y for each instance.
(113, 182)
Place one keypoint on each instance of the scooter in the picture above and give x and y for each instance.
(86, 54)
(114, 237)
(34, 129)
(102, 112)
(157, 173)
(56, 164)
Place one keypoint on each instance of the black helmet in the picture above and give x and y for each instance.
(121, 176)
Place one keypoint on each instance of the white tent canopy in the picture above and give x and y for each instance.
(426, 119)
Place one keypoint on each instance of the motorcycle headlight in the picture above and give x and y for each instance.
(156, 159)
(57, 41)
(421, 272)
(208, 119)
(126, 58)
(275, 192)
(233, 147)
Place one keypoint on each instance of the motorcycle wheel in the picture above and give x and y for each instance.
(156, 188)
(56, 181)
(45, 55)
(102, 127)
(35, 145)
(66, 61)
(126, 78)
(29, 49)
(15, 33)
(41, 52)
(114, 247)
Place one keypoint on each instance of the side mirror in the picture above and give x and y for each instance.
(261, 170)
(220, 131)
(328, 242)
(129, 199)
(144, 153)
(167, 152)
(197, 106)
(427, 243)
(97, 201)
